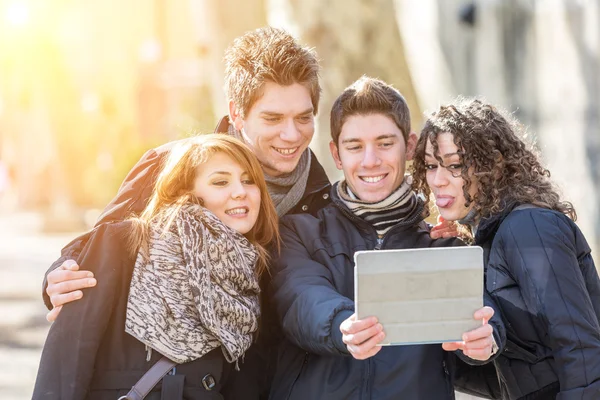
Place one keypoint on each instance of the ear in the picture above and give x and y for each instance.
(335, 154)
(411, 146)
(235, 116)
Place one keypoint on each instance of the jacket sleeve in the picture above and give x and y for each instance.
(540, 250)
(69, 354)
(307, 304)
(499, 332)
(130, 199)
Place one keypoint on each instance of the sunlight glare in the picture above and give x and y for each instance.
(17, 14)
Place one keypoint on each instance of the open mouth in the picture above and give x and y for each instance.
(286, 152)
(239, 211)
(372, 179)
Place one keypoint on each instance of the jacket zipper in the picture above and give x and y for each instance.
(367, 380)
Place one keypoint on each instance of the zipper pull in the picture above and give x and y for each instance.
(379, 243)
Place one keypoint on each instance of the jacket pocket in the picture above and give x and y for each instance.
(516, 351)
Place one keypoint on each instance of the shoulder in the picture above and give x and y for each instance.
(326, 224)
(540, 221)
(299, 222)
(537, 228)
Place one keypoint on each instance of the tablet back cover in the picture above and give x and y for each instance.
(420, 295)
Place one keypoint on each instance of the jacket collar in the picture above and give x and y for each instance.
(487, 228)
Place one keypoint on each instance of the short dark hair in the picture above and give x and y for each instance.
(369, 96)
(268, 55)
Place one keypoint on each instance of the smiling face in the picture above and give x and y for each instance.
(278, 127)
(372, 153)
(228, 192)
(445, 178)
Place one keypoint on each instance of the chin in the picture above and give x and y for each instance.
(449, 215)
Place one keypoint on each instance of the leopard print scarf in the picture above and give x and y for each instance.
(195, 290)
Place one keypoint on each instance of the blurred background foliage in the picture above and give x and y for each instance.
(86, 87)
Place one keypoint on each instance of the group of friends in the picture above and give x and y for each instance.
(231, 254)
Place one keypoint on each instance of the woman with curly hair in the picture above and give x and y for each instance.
(539, 267)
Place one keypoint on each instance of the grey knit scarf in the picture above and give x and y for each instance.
(285, 190)
(196, 290)
(385, 214)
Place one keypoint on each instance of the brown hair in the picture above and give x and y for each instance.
(489, 146)
(268, 55)
(175, 184)
(369, 96)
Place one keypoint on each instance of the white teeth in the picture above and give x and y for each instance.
(372, 179)
(236, 211)
(286, 151)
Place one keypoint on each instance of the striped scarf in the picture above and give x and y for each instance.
(384, 214)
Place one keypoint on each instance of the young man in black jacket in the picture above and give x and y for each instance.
(327, 352)
(272, 84)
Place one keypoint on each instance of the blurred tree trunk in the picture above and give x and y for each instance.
(218, 22)
(507, 52)
(352, 39)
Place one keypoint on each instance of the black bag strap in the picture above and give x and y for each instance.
(147, 382)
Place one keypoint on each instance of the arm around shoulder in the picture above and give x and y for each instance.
(69, 354)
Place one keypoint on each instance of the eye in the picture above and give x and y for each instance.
(455, 166)
(220, 183)
(387, 144)
(430, 167)
(353, 148)
(305, 119)
(248, 181)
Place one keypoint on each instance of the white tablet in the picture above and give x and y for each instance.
(420, 295)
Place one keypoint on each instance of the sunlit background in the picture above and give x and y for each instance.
(86, 87)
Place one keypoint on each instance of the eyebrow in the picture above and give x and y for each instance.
(220, 173)
(445, 155)
(380, 137)
(277, 114)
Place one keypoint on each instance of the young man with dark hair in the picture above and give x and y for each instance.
(373, 207)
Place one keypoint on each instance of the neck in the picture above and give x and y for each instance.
(471, 220)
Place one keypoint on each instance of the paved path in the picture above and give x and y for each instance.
(25, 254)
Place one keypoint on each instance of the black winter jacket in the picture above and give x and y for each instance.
(88, 355)
(542, 277)
(313, 288)
(133, 196)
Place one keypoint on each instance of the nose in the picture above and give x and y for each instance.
(441, 176)
(238, 191)
(290, 132)
(370, 158)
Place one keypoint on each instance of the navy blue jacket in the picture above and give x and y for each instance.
(313, 288)
(542, 277)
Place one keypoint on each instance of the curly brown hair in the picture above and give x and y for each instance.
(488, 143)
